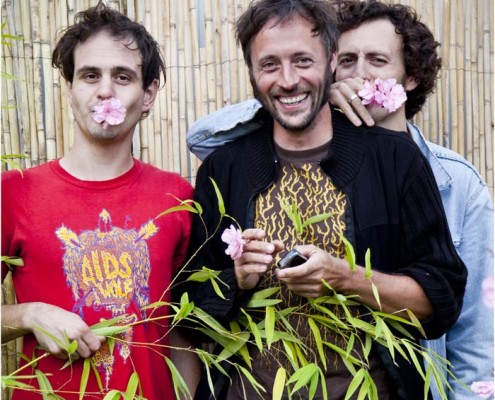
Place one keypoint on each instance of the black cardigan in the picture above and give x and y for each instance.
(394, 209)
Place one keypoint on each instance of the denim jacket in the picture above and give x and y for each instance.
(468, 345)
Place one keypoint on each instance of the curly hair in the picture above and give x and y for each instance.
(101, 18)
(320, 13)
(419, 46)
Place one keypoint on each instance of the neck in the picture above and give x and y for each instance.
(316, 135)
(97, 163)
(395, 122)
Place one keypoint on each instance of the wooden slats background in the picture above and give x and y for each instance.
(205, 71)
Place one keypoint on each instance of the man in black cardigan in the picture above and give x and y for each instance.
(376, 184)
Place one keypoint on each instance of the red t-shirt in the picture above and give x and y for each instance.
(95, 248)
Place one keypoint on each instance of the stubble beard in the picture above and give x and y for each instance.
(309, 119)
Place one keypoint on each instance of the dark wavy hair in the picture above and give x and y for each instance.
(419, 46)
(320, 13)
(102, 18)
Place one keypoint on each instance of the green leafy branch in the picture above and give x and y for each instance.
(293, 212)
(263, 323)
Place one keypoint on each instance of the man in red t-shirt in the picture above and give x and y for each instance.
(86, 228)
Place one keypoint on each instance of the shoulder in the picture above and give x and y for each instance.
(24, 176)
(164, 180)
(454, 162)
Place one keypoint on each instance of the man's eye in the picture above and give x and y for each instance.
(304, 62)
(122, 78)
(269, 66)
(345, 61)
(90, 77)
(380, 60)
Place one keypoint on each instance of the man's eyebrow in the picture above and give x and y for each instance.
(346, 53)
(126, 70)
(119, 69)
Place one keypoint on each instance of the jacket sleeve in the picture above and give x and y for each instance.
(427, 250)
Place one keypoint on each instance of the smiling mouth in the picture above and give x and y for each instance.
(294, 99)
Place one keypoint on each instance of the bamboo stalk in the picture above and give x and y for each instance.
(487, 155)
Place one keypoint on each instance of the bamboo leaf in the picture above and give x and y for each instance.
(254, 330)
(414, 359)
(279, 384)
(44, 384)
(15, 261)
(302, 376)
(95, 369)
(350, 344)
(216, 288)
(109, 322)
(265, 293)
(179, 383)
(132, 385)
(110, 330)
(203, 275)
(290, 353)
(319, 342)
(269, 325)
(84, 378)
(316, 218)
(416, 322)
(112, 395)
(233, 345)
(367, 264)
(15, 381)
(355, 383)
(184, 207)
(313, 385)
(376, 295)
(221, 205)
(184, 312)
(349, 254)
(263, 303)
(254, 383)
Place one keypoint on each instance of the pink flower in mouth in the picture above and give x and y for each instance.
(109, 112)
(386, 93)
(483, 390)
(233, 237)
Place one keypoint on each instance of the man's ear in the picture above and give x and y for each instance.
(149, 96)
(411, 84)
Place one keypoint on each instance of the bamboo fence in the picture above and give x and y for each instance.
(205, 71)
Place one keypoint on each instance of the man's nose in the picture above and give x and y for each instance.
(105, 88)
(289, 78)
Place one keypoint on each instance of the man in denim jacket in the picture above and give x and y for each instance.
(365, 55)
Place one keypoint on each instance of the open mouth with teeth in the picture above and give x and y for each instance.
(294, 99)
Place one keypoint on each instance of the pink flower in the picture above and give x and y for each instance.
(487, 290)
(386, 93)
(484, 390)
(233, 237)
(109, 111)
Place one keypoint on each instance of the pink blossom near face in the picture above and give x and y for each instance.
(487, 290)
(385, 93)
(233, 237)
(483, 390)
(109, 112)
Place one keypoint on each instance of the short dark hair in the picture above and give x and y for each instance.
(320, 13)
(102, 18)
(421, 60)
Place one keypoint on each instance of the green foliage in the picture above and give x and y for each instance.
(263, 324)
(292, 211)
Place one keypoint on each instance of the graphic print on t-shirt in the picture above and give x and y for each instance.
(108, 268)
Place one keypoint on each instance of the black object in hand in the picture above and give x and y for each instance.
(292, 259)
